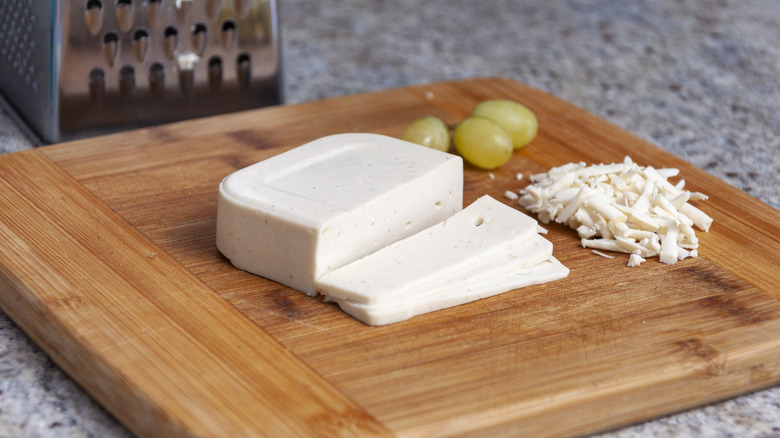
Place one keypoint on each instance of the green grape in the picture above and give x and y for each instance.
(430, 132)
(518, 120)
(483, 142)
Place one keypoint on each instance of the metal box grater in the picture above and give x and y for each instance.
(77, 68)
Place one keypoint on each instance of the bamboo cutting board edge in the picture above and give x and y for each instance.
(501, 418)
(206, 346)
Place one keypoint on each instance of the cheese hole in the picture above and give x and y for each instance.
(478, 221)
(437, 204)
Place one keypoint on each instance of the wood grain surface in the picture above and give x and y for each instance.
(108, 262)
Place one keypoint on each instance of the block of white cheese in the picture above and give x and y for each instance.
(483, 229)
(315, 208)
(457, 293)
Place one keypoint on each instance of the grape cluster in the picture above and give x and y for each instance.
(485, 139)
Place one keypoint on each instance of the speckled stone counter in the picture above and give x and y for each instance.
(699, 78)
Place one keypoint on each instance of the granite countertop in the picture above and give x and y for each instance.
(699, 78)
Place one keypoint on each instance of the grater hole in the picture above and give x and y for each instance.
(124, 14)
(199, 31)
(154, 11)
(140, 44)
(186, 81)
(183, 10)
(18, 31)
(110, 37)
(93, 16)
(229, 27)
(126, 81)
(215, 72)
(97, 84)
(156, 79)
(212, 8)
(170, 41)
(110, 46)
(140, 34)
(244, 67)
(242, 8)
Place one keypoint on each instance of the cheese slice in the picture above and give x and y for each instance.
(456, 294)
(296, 216)
(527, 254)
(519, 259)
(484, 229)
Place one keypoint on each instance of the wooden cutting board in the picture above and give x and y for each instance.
(108, 262)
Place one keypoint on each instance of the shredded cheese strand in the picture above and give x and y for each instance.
(620, 207)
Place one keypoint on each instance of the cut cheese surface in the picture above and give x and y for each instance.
(456, 294)
(535, 251)
(303, 213)
(526, 254)
(484, 229)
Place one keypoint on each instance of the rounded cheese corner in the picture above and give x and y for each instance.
(322, 205)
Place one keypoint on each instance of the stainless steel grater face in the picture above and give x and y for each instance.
(78, 68)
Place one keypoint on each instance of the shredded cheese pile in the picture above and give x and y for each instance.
(620, 207)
